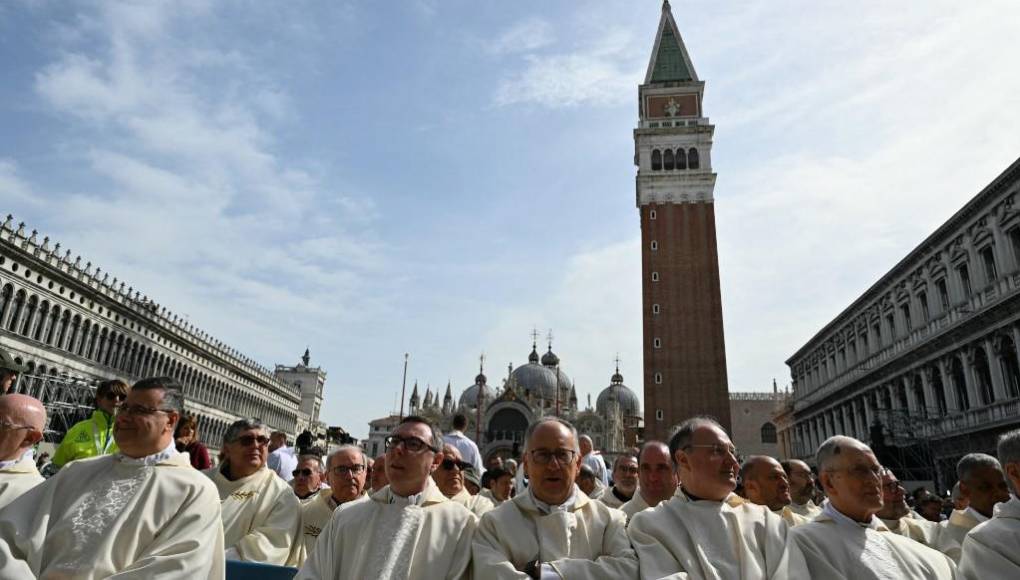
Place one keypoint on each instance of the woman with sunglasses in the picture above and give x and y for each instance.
(93, 436)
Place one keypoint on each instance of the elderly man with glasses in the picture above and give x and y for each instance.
(450, 479)
(93, 436)
(408, 529)
(346, 472)
(143, 512)
(22, 419)
(552, 529)
(260, 510)
(896, 516)
(307, 476)
(846, 540)
(706, 530)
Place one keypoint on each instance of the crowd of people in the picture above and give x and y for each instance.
(135, 494)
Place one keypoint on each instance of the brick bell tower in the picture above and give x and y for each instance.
(685, 356)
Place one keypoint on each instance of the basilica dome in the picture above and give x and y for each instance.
(469, 398)
(618, 392)
(541, 380)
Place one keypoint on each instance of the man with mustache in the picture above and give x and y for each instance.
(706, 530)
(552, 529)
(846, 541)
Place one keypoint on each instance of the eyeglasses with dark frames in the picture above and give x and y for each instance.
(249, 440)
(449, 464)
(411, 444)
(305, 472)
(140, 410)
(348, 469)
(545, 456)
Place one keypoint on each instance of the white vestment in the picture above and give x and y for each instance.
(610, 498)
(791, 517)
(388, 537)
(808, 510)
(635, 505)
(487, 494)
(476, 504)
(952, 532)
(834, 547)
(583, 539)
(18, 478)
(992, 549)
(315, 514)
(708, 540)
(113, 516)
(597, 465)
(919, 530)
(260, 516)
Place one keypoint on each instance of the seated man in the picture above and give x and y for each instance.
(802, 488)
(983, 485)
(846, 540)
(589, 483)
(93, 436)
(706, 530)
(307, 477)
(500, 483)
(657, 477)
(260, 511)
(896, 516)
(22, 420)
(552, 529)
(625, 479)
(379, 479)
(991, 549)
(143, 512)
(449, 477)
(346, 472)
(407, 530)
(765, 484)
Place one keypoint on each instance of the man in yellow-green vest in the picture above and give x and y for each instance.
(94, 436)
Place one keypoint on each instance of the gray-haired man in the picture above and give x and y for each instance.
(991, 549)
(983, 485)
(260, 511)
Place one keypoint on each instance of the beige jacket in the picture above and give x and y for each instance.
(17, 479)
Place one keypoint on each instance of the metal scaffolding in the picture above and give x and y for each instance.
(67, 400)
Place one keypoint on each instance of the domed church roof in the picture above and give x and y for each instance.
(630, 405)
(540, 379)
(469, 398)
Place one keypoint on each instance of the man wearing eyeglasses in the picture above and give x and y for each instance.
(802, 488)
(657, 479)
(552, 530)
(983, 484)
(765, 483)
(22, 419)
(260, 511)
(625, 480)
(450, 479)
(896, 516)
(346, 471)
(407, 530)
(307, 477)
(846, 540)
(143, 512)
(705, 530)
(93, 436)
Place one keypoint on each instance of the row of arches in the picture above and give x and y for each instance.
(40, 320)
(669, 159)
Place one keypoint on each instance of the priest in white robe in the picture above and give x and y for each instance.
(657, 478)
(143, 512)
(983, 485)
(552, 529)
(707, 532)
(22, 420)
(846, 541)
(346, 472)
(802, 488)
(260, 511)
(449, 477)
(408, 530)
(992, 549)
(308, 477)
(590, 484)
(501, 483)
(625, 480)
(896, 515)
(766, 483)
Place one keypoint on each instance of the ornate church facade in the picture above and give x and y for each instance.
(499, 416)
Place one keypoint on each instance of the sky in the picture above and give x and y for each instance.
(439, 178)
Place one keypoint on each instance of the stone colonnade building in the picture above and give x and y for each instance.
(924, 365)
(65, 319)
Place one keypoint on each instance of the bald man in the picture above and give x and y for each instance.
(765, 483)
(22, 419)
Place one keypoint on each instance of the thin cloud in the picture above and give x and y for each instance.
(525, 36)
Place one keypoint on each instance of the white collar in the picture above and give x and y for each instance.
(549, 508)
(456, 433)
(975, 514)
(153, 459)
(413, 499)
(843, 520)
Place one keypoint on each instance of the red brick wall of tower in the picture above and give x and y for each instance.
(692, 355)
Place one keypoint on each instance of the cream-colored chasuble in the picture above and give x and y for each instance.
(992, 549)
(260, 516)
(389, 537)
(635, 505)
(476, 504)
(315, 514)
(112, 516)
(18, 478)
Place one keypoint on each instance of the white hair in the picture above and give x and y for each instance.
(1009, 447)
(830, 450)
(364, 458)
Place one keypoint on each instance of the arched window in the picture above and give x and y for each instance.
(960, 384)
(1010, 368)
(768, 433)
(681, 159)
(667, 160)
(692, 159)
(656, 160)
